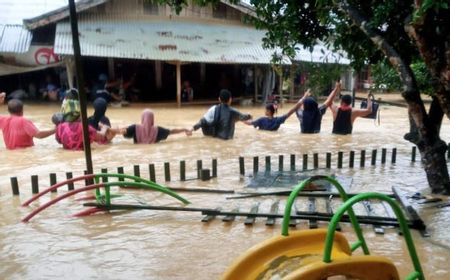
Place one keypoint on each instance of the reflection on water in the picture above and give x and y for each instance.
(176, 245)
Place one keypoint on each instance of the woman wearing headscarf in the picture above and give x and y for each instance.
(100, 106)
(310, 116)
(147, 132)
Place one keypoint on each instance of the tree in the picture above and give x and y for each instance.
(401, 32)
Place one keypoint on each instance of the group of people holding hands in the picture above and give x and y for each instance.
(219, 121)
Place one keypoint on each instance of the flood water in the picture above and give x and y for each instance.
(177, 245)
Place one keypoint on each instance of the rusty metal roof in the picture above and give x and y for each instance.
(14, 39)
(165, 40)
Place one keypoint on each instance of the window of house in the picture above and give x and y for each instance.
(151, 7)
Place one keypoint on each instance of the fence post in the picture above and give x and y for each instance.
(394, 155)
(255, 164)
(53, 181)
(151, 171)
(167, 171)
(15, 186)
(182, 170)
(241, 166)
(268, 164)
(374, 157)
(305, 162)
(383, 155)
(413, 154)
(199, 168)
(34, 184)
(340, 158)
(120, 171)
(316, 160)
(70, 185)
(351, 162)
(214, 167)
(362, 162)
(280, 163)
(328, 160)
(137, 171)
(292, 162)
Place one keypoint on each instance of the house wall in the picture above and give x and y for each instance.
(142, 10)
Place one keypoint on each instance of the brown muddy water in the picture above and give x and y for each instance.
(176, 245)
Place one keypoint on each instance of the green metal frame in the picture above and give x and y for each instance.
(347, 206)
(137, 182)
(287, 211)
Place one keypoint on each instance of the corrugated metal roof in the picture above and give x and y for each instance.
(165, 40)
(14, 39)
(321, 54)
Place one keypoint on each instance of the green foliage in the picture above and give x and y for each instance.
(321, 76)
(384, 77)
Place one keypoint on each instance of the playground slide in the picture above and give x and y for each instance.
(280, 255)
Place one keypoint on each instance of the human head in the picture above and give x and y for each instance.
(225, 96)
(57, 118)
(270, 110)
(15, 107)
(147, 118)
(346, 99)
(100, 106)
(310, 104)
(72, 94)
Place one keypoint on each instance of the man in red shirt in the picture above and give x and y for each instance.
(18, 132)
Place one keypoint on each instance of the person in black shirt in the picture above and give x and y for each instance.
(345, 115)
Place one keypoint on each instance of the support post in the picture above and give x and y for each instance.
(178, 84)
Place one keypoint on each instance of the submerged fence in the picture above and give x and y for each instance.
(293, 162)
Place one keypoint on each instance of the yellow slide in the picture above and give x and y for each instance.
(280, 255)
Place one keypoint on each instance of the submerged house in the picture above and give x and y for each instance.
(148, 44)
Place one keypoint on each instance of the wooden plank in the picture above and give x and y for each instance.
(410, 211)
(329, 210)
(304, 193)
(273, 210)
(210, 217)
(231, 216)
(370, 212)
(312, 210)
(250, 220)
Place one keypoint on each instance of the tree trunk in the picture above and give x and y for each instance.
(424, 127)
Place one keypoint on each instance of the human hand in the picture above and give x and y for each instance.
(2, 97)
(188, 132)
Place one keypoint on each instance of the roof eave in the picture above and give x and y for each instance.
(242, 7)
(60, 14)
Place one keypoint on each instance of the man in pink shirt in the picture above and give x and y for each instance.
(18, 132)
